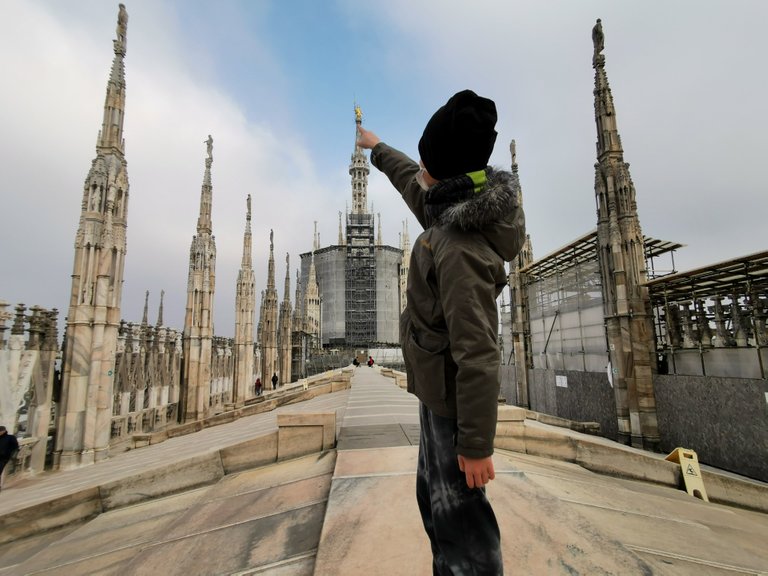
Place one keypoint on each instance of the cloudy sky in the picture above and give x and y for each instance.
(274, 82)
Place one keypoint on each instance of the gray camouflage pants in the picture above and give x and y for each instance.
(459, 521)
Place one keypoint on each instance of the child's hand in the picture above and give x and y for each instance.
(479, 471)
(366, 138)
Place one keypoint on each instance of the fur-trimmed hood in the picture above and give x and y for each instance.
(493, 211)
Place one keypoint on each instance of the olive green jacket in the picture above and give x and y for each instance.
(449, 328)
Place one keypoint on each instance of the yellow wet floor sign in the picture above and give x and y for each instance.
(689, 465)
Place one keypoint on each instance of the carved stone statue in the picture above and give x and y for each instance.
(122, 23)
(724, 337)
(598, 39)
(690, 337)
(702, 321)
(674, 337)
(209, 146)
(759, 316)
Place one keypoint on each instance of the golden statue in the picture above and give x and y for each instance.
(358, 113)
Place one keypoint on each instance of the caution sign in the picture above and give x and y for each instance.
(689, 466)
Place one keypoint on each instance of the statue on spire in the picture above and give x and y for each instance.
(122, 23)
(248, 202)
(358, 114)
(209, 146)
(122, 28)
(598, 39)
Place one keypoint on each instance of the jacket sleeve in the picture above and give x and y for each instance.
(401, 171)
(467, 276)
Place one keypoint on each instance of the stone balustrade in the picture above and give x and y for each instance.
(28, 374)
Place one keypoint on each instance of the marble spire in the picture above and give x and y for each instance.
(626, 303)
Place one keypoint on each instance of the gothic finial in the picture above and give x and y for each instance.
(160, 310)
(146, 308)
(204, 225)
(111, 133)
(36, 328)
(3, 317)
(18, 320)
(358, 114)
(51, 334)
(248, 202)
(271, 239)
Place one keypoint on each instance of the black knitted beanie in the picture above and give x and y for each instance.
(459, 137)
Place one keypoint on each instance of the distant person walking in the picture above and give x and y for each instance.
(8, 447)
(258, 386)
(274, 381)
(370, 361)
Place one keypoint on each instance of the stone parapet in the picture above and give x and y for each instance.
(603, 456)
(326, 383)
(300, 434)
(163, 480)
(72, 508)
(250, 454)
(585, 427)
(297, 435)
(400, 378)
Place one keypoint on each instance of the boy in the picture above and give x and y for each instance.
(472, 225)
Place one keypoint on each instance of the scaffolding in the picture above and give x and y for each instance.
(563, 296)
(360, 281)
(712, 321)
